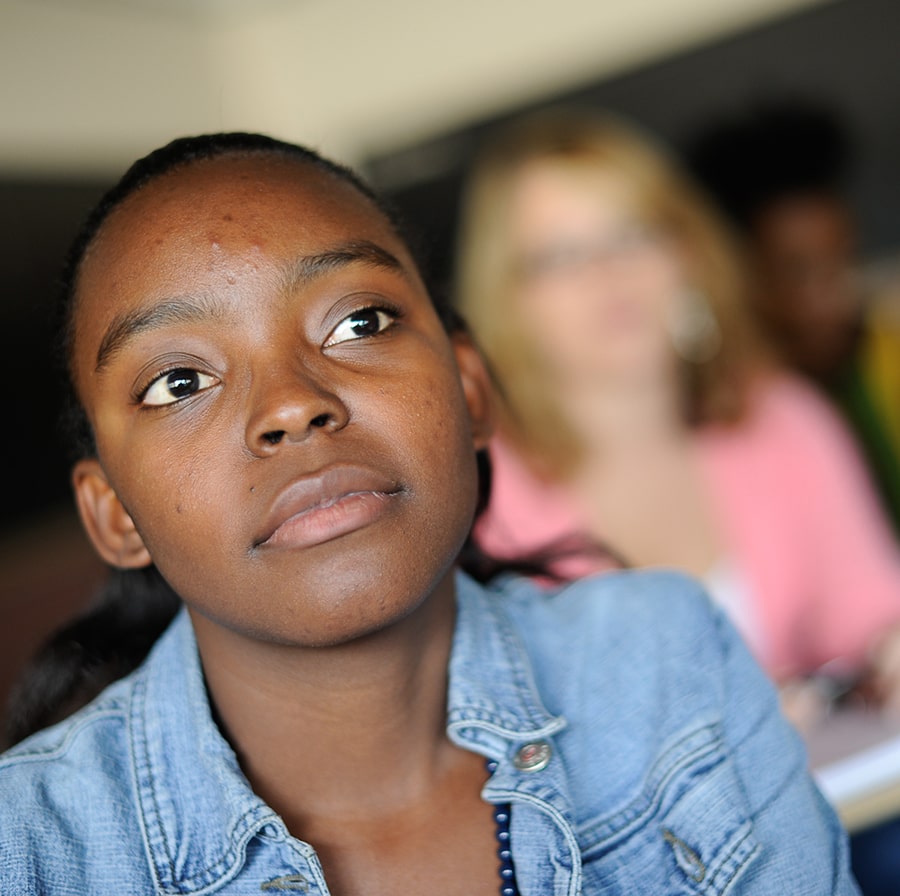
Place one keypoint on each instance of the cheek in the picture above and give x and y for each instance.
(547, 314)
(174, 498)
(436, 441)
(653, 277)
(434, 417)
(187, 521)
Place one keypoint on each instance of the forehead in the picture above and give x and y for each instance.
(268, 197)
(554, 194)
(226, 215)
(805, 220)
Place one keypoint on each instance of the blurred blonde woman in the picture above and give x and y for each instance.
(642, 412)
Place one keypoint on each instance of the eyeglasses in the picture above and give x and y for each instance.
(571, 256)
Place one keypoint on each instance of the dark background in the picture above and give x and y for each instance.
(37, 221)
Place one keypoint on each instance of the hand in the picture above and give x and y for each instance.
(806, 702)
(802, 703)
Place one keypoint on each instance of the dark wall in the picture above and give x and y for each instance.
(847, 53)
(37, 221)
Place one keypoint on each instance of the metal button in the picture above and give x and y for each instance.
(533, 757)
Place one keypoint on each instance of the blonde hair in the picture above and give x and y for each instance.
(486, 283)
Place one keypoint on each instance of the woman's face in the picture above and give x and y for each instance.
(277, 408)
(596, 284)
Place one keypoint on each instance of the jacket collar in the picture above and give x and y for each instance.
(197, 808)
(493, 700)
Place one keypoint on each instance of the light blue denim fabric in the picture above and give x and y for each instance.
(670, 770)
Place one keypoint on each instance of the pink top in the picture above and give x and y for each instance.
(802, 526)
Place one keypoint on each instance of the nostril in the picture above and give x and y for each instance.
(277, 436)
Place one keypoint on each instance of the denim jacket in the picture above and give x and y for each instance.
(640, 747)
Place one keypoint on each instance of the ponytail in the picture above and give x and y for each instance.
(132, 610)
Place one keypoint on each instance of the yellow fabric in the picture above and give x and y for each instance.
(880, 365)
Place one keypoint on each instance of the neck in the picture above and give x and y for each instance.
(334, 730)
(625, 413)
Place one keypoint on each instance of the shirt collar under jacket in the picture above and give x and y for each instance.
(199, 815)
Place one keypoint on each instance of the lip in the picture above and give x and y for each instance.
(326, 505)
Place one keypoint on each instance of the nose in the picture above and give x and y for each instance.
(288, 406)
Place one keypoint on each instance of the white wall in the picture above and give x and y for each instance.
(87, 85)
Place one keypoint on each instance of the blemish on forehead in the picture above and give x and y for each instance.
(228, 217)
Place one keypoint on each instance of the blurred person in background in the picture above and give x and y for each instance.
(777, 169)
(642, 411)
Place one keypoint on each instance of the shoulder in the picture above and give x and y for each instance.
(91, 743)
(790, 435)
(63, 791)
(610, 607)
(785, 393)
(625, 654)
(784, 404)
(622, 639)
(808, 438)
(670, 725)
(94, 728)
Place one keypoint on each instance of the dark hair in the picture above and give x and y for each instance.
(775, 148)
(81, 659)
(135, 606)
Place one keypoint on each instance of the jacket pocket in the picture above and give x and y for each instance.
(687, 829)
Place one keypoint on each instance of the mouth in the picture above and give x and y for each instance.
(326, 505)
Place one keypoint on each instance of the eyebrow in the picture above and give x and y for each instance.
(187, 309)
(126, 326)
(309, 267)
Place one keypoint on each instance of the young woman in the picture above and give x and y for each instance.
(641, 409)
(280, 427)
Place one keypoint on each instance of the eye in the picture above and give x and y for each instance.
(633, 236)
(362, 323)
(555, 259)
(175, 385)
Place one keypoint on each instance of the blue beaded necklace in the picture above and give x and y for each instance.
(504, 853)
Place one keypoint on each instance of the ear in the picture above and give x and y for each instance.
(108, 524)
(477, 388)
